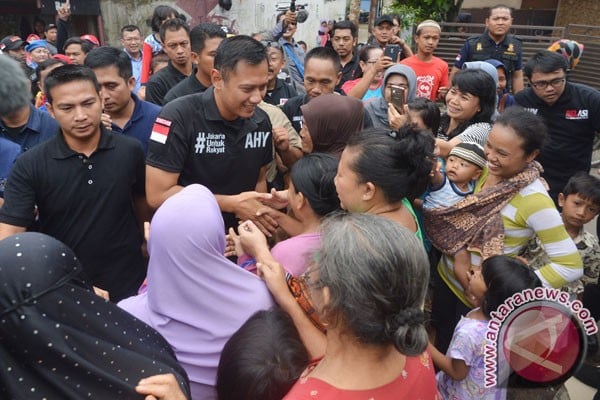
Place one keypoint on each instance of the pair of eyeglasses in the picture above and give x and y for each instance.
(269, 43)
(544, 84)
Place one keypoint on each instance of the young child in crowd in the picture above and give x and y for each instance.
(463, 167)
(263, 359)
(425, 114)
(580, 203)
(462, 368)
(505, 98)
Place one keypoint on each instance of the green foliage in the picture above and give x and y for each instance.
(409, 14)
(419, 10)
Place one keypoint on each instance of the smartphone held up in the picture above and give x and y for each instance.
(392, 51)
(397, 98)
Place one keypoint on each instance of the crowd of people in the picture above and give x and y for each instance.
(197, 215)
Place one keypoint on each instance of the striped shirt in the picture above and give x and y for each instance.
(530, 213)
(474, 133)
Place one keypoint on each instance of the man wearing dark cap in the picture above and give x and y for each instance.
(383, 34)
(51, 34)
(14, 46)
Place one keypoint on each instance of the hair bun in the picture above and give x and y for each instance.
(407, 331)
(406, 317)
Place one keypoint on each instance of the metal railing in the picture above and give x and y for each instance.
(534, 39)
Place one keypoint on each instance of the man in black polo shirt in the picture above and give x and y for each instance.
(344, 37)
(205, 39)
(175, 35)
(321, 76)
(495, 42)
(570, 111)
(84, 182)
(218, 138)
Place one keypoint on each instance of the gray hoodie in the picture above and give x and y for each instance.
(378, 108)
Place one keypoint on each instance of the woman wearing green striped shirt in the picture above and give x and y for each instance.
(510, 206)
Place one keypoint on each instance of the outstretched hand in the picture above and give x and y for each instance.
(276, 199)
(233, 245)
(274, 276)
(248, 203)
(160, 387)
(252, 240)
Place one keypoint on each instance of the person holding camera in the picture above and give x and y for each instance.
(283, 33)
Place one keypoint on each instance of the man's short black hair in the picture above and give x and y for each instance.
(201, 32)
(41, 67)
(345, 25)
(324, 53)
(130, 28)
(172, 25)
(499, 7)
(102, 57)
(86, 45)
(237, 49)
(66, 74)
(545, 62)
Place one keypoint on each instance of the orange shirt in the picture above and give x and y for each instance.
(431, 75)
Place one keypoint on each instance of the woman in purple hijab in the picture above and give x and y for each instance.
(196, 298)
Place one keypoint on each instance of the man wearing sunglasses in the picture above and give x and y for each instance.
(570, 111)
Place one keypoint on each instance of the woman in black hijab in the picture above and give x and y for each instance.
(58, 340)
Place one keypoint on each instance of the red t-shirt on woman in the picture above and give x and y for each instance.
(416, 382)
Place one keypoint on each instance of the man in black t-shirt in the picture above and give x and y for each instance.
(570, 111)
(87, 184)
(175, 35)
(218, 138)
(344, 38)
(321, 76)
(205, 39)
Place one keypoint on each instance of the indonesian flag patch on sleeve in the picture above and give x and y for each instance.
(160, 130)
